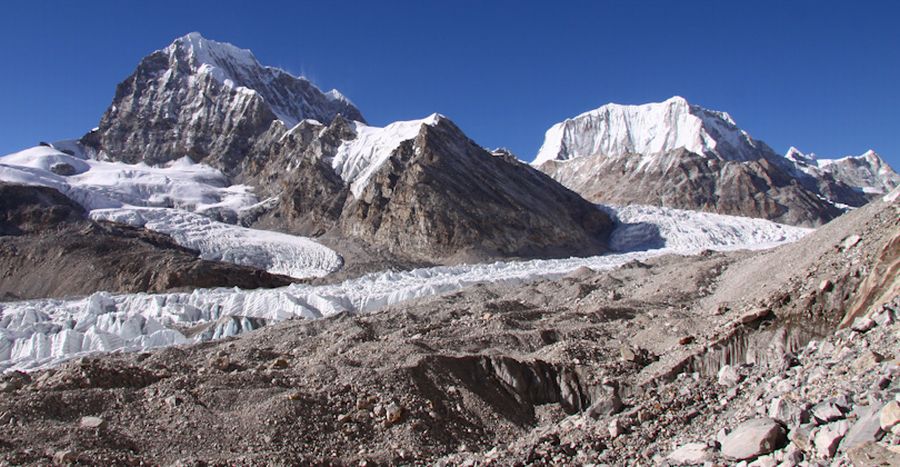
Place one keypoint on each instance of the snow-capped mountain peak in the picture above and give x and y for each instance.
(202, 51)
(616, 130)
(291, 98)
(799, 157)
(209, 100)
(867, 172)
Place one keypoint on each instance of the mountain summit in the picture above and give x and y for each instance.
(615, 130)
(291, 98)
(867, 173)
(207, 100)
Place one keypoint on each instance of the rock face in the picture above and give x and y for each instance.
(754, 438)
(441, 195)
(679, 155)
(691, 454)
(426, 193)
(48, 249)
(207, 100)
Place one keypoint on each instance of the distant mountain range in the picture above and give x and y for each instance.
(680, 155)
(275, 152)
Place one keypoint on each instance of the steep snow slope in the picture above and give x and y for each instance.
(179, 193)
(358, 159)
(644, 131)
(44, 332)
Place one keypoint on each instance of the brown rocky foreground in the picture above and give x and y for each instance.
(49, 248)
(719, 358)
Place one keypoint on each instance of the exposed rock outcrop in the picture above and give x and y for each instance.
(48, 249)
(443, 196)
(685, 180)
(207, 100)
(436, 197)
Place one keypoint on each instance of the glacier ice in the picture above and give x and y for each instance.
(39, 333)
(171, 200)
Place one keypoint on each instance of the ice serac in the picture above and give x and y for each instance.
(207, 100)
(679, 155)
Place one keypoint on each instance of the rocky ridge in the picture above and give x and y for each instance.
(48, 248)
(868, 174)
(436, 197)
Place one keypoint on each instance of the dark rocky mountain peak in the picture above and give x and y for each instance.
(207, 100)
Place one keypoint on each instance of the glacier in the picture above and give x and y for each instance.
(179, 200)
(274, 252)
(40, 333)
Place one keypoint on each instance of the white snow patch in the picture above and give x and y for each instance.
(358, 159)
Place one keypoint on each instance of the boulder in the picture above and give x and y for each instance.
(616, 428)
(93, 423)
(802, 436)
(872, 454)
(780, 410)
(829, 437)
(65, 457)
(63, 168)
(826, 412)
(691, 454)
(863, 324)
(754, 438)
(867, 428)
(607, 402)
(728, 376)
(890, 415)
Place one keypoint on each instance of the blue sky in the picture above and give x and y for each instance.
(820, 75)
